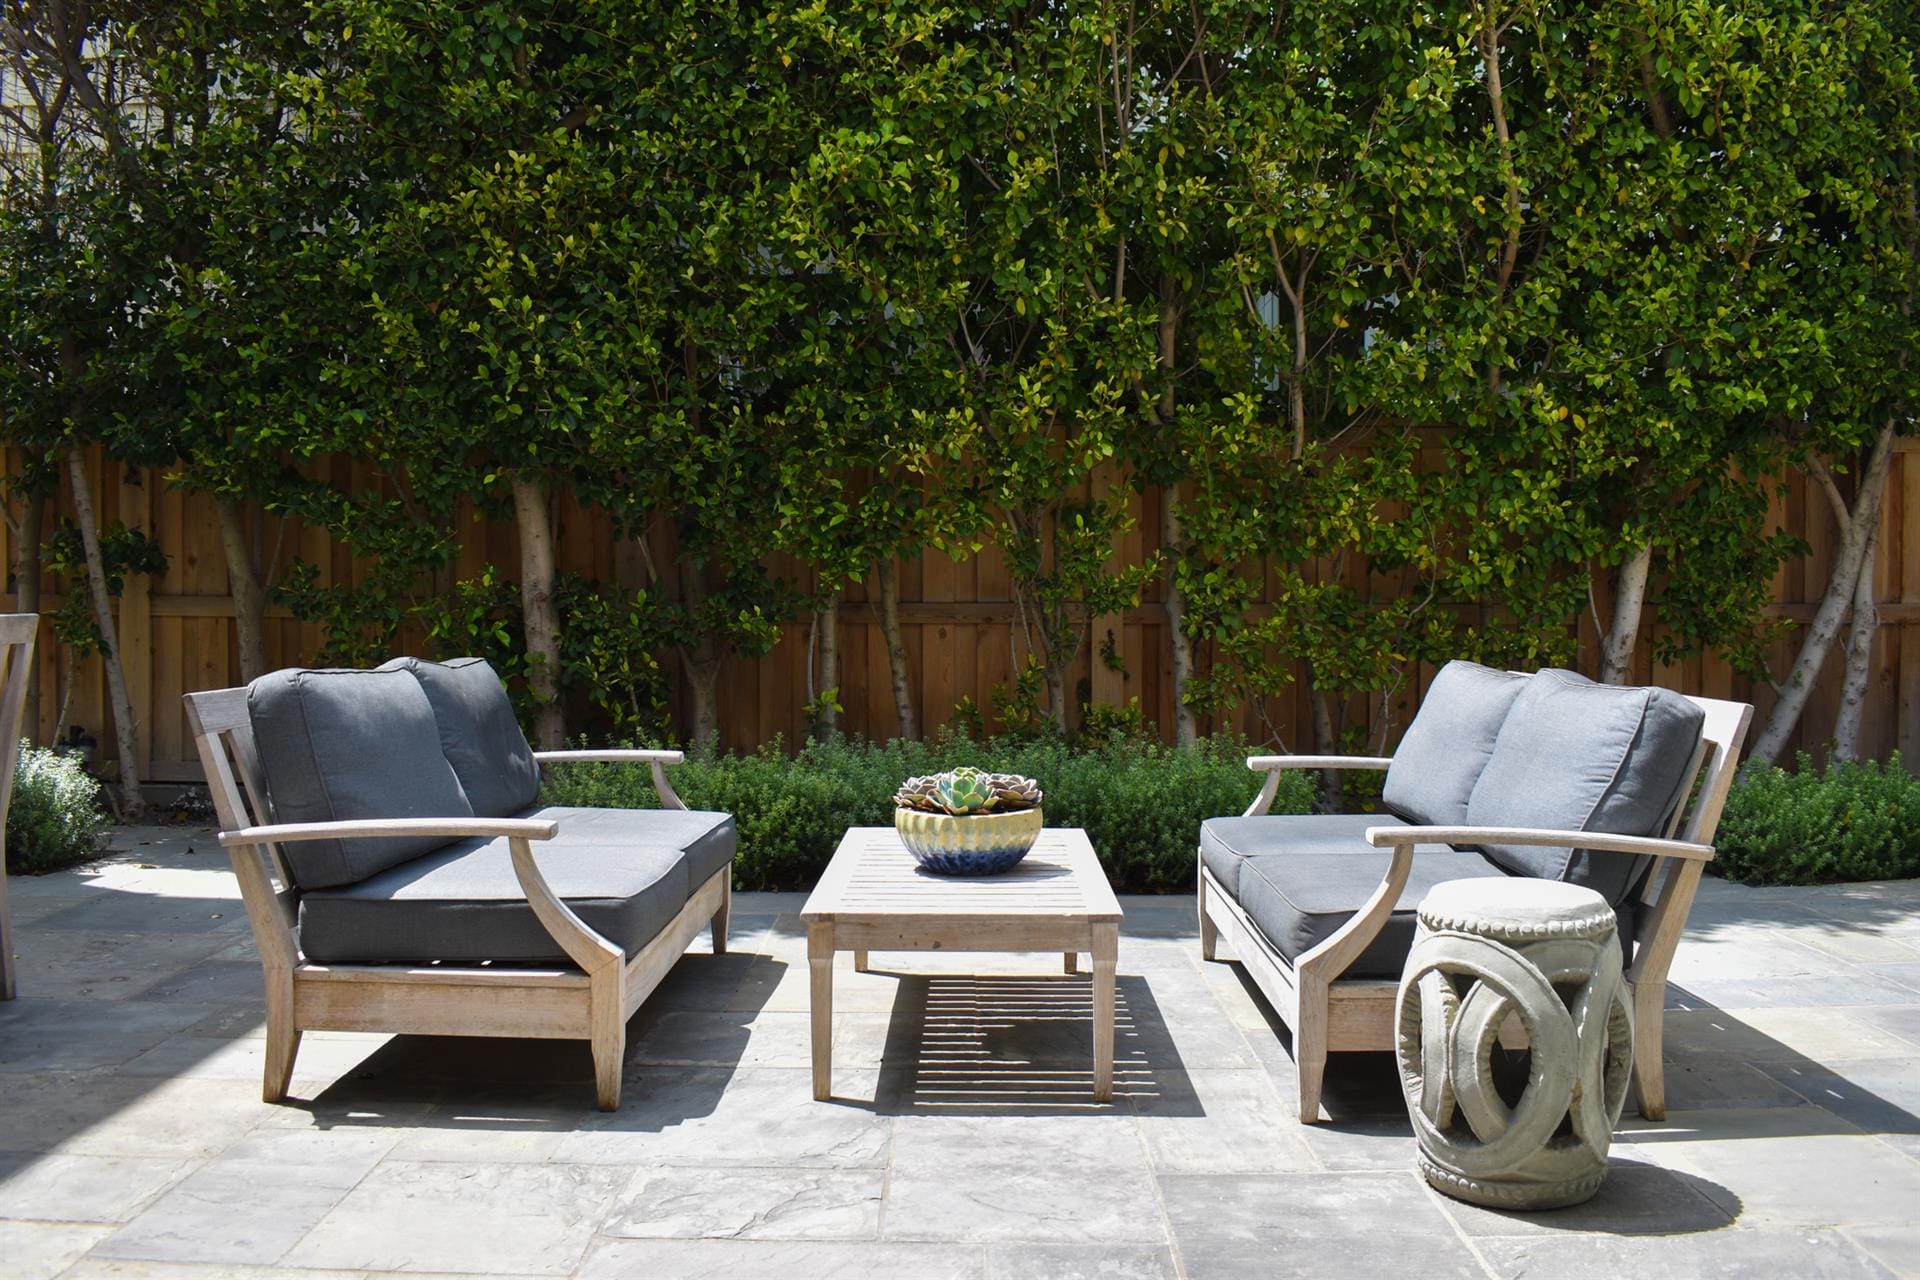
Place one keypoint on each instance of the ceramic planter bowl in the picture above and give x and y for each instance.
(975, 844)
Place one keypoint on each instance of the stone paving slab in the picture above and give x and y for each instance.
(531, 1219)
(1802, 1255)
(42, 1250)
(961, 1140)
(254, 1201)
(1308, 1224)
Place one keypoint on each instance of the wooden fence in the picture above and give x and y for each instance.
(962, 629)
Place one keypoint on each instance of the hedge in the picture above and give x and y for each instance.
(1812, 826)
(1140, 803)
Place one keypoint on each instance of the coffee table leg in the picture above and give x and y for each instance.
(820, 962)
(1073, 961)
(859, 962)
(1106, 954)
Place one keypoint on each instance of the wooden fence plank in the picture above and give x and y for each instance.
(1907, 710)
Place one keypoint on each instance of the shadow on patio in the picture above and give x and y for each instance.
(1001, 1044)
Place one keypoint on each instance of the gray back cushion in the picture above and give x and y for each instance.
(1448, 744)
(345, 745)
(479, 734)
(1579, 756)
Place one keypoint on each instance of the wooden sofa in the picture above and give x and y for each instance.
(1501, 773)
(384, 827)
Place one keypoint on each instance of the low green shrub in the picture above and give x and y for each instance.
(1141, 803)
(1808, 826)
(54, 819)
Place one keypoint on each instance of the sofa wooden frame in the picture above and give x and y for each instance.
(17, 634)
(1328, 1013)
(590, 1002)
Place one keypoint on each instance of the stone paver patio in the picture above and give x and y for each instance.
(962, 1142)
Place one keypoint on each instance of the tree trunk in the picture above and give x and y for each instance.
(243, 583)
(703, 658)
(1866, 620)
(132, 805)
(703, 683)
(1056, 677)
(826, 721)
(66, 701)
(1834, 602)
(896, 647)
(1172, 540)
(540, 622)
(26, 587)
(1629, 599)
(1333, 791)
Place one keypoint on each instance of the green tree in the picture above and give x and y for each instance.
(1856, 268)
(73, 286)
(246, 191)
(506, 271)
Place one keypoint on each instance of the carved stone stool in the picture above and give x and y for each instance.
(1514, 1128)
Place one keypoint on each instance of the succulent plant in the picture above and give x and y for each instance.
(1015, 792)
(918, 793)
(968, 790)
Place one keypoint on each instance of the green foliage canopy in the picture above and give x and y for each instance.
(1486, 297)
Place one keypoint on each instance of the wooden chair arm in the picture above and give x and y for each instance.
(1601, 841)
(654, 760)
(1258, 763)
(1273, 766)
(370, 828)
(1343, 946)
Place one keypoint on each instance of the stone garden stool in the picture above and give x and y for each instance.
(1514, 1128)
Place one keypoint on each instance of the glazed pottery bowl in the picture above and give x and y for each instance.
(974, 844)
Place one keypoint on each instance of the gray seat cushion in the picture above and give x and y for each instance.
(462, 904)
(708, 839)
(1226, 843)
(345, 745)
(1585, 757)
(1298, 900)
(479, 733)
(1441, 755)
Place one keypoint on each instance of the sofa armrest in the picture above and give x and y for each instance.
(604, 755)
(1406, 837)
(1327, 961)
(451, 828)
(1273, 766)
(654, 760)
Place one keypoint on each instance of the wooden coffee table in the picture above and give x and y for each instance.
(874, 897)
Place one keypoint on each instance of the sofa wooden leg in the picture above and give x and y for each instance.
(1312, 1069)
(1309, 1024)
(606, 1018)
(609, 1057)
(720, 919)
(1209, 935)
(283, 1042)
(1649, 1067)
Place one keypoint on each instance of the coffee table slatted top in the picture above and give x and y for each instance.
(872, 875)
